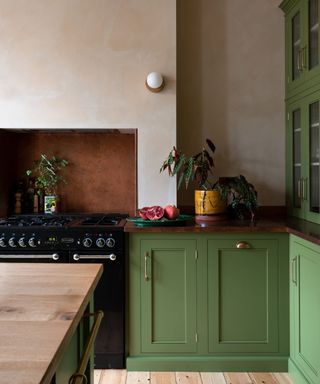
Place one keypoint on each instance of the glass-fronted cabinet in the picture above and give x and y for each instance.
(314, 156)
(302, 43)
(303, 157)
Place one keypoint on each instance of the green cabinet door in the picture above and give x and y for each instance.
(302, 44)
(296, 168)
(243, 299)
(303, 157)
(168, 295)
(305, 309)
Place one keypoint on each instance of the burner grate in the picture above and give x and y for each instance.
(36, 221)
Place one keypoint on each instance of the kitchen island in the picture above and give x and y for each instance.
(41, 309)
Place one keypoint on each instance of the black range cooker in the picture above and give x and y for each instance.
(89, 238)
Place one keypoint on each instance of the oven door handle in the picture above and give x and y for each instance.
(77, 257)
(54, 256)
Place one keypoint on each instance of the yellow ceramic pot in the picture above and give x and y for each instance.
(209, 203)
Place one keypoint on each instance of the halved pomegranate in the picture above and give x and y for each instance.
(143, 213)
(155, 213)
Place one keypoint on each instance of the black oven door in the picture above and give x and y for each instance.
(29, 256)
(109, 351)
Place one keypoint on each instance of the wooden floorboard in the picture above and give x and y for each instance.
(212, 378)
(113, 376)
(237, 378)
(263, 378)
(163, 377)
(188, 378)
(138, 377)
(282, 378)
(121, 376)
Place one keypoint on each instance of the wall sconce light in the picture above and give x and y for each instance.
(155, 82)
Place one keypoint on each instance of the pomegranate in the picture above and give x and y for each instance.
(143, 212)
(155, 212)
(171, 212)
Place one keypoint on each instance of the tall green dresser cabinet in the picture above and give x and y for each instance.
(302, 79)
(302, 107)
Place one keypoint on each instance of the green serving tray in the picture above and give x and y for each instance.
(180, 220)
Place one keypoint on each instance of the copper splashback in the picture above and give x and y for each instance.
(101, 176)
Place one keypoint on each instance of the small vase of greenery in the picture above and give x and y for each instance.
(47, 174)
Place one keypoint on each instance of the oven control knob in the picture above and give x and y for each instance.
(100, 242)
(22, 242)
(12, 242)
(110, 242)
(32, 242)
(2, 242)
(87, 242)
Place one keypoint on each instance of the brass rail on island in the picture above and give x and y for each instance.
(79, 377)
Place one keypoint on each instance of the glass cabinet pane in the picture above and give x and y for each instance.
(314, 156)
(313, 34)
(296, 45)
(296, 126)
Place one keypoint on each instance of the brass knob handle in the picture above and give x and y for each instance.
(243, 245)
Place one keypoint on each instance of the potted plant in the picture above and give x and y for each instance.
(209, 203)
(47, 177)
(241, 195)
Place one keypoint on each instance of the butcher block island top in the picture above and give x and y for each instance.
(40, 308)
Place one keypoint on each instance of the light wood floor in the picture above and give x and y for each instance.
(118, 376)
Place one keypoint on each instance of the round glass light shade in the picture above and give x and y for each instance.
(155, 81)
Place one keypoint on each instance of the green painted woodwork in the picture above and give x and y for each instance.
(69, 363)
(302, 52)
(300, 140)
(168, 295)
(301, 39)
(304, 308)
(243, 296)
(196, 301)
(205, 363)
(71, 359)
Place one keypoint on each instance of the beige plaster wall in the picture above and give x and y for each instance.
(83, 63)
(231, 89)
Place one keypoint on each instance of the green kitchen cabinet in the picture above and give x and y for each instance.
(303, 157)
(199, 301)
(168, 295)
(304, 364)
(302, 44)
(243, 286)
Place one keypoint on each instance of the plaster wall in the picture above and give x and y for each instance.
(83, 63)
(231, 89)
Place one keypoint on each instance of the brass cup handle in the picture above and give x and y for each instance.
(243, 245)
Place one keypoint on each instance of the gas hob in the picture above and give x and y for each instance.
(97, 231)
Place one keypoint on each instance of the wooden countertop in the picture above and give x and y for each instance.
(40, 308)
(298, 227)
